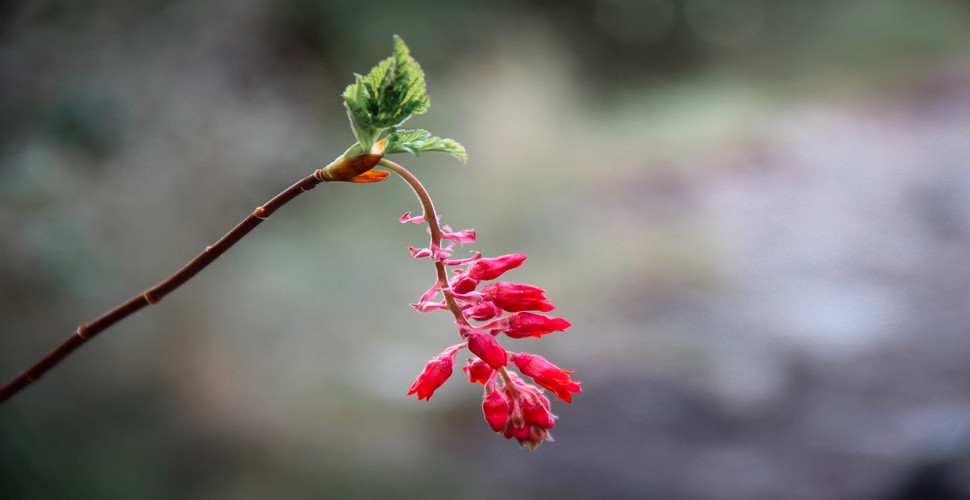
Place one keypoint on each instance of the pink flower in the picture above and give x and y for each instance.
(461, 237)
(487, 349)
(478, 371)
(515, 297)
(496, 410)
(526, 324)
(547, 375)
(435, 373)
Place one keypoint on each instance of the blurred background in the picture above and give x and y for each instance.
(755, 213)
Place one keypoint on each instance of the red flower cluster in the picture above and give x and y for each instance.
(513, 407)
(516, 409)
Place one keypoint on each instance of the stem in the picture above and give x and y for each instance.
(151, 296)
(432, 219)
(508, 380)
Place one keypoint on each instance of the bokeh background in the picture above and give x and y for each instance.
(755, 213)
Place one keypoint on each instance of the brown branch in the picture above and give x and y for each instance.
(353, 169)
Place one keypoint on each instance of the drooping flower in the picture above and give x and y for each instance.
(512, 407)
(536, 412)
(487, 349)
(435, 373)
(496, 410)
(529, 417)
(547, 375)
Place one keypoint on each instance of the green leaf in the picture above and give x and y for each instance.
(387, 96)
(418, 141)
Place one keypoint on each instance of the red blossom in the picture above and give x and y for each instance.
(435, 373)
(526, 324)
(511, 406)
(463, 283)
(515, 297)
(537, 412)
(547, 375)
(487, 349)
(496, 410)
(493, 267)
(527, 435)
(478, 371)
(519, 411)
(520, 432)
(485, 269)
(483, 311)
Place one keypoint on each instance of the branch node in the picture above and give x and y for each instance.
(80, 332)
(149, 298)
(30, 379)
(260, 213)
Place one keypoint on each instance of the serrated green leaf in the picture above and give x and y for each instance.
(387, 96)
(418, 141)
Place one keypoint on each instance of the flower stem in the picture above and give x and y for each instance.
(508, 380)
(432, 219)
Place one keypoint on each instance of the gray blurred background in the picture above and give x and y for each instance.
(755, 213)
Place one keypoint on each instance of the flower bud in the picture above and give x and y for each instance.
(526, 324)
(478, 371)
(346, 168)
(538, 414)
(435, 373)
(496, 410)
(483, 311)
(493, 267)
(487, 348)
(515, 297)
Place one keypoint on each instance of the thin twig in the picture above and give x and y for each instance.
(151, 296)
